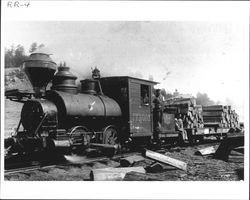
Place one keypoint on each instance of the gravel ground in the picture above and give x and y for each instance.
(200, 168)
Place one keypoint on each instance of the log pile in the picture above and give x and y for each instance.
(197, 116)
(186, 110)
(221, 116)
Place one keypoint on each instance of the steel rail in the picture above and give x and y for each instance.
(65, 163)
(42, 163)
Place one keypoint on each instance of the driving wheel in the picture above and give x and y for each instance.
(110, 135)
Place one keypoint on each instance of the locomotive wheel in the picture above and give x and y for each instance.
(79, 136)
(110, 135)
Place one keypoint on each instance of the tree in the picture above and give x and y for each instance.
(9, 57)
(14, 56)
(19, 56)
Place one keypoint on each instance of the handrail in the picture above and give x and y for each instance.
(39, 125)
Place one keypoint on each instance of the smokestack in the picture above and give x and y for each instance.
(40, 70)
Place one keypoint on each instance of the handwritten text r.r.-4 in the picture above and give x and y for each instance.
(18, 4)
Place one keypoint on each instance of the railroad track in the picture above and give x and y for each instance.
(67, 161)
(24, 169)
(43, 165)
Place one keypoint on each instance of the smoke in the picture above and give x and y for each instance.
(203, 99)
(166, 75)
(116, 48)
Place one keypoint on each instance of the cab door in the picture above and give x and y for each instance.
(140, 109)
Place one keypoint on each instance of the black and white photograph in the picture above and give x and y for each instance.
(123, 103)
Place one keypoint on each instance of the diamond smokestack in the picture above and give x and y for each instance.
(40, 70)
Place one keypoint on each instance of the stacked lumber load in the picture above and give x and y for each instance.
(180, 101)
(199, 117)
(215, 115)
(233, 118)
(186, 110)
(221, 116)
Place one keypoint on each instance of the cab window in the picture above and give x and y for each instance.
(145, 95)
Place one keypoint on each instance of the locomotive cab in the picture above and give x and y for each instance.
(134, 96)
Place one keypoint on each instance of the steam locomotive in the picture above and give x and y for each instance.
(108, 111)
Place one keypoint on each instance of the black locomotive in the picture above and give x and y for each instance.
(107, 111)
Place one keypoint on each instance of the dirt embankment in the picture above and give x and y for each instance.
(15, 78)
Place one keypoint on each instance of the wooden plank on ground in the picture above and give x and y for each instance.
(206, 151)
(239, 149)
(227, 145)
(166, 159)
(135, 176)
(155, 168)
(113, 174)
(130, 160)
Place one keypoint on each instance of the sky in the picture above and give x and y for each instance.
(190, 56)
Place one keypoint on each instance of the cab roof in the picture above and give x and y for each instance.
(129, 77)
